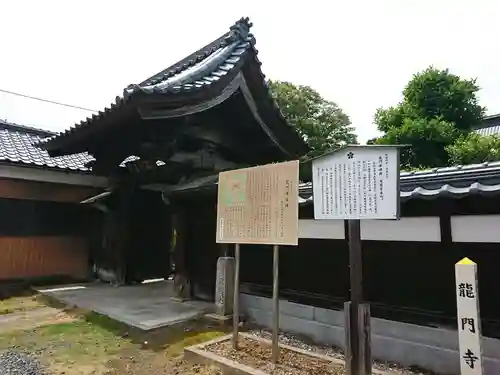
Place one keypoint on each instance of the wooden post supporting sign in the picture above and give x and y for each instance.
(357, 183)
(236, 298)
(353, 329)
(276, 305)
(259, 205)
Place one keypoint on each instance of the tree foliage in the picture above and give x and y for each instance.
(428, 139)
(322, 123)
(438, 107)
(474, 148)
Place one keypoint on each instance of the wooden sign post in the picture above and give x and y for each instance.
(468, 318)
(236, 297)
(357, 183)
(276, 305)
(259, 205)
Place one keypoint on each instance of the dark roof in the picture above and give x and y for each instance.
(204, 67)
(489, 126)
(207, 71)
(17, 147)
(453, 182)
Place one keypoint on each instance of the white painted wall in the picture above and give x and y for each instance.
(476, 228)
(413, 229)
(322, 229)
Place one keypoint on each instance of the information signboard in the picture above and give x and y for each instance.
(357, 182)
(259, 205)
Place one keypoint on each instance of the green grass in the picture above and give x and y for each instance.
(94, 342)
(74, 339)
(19, 304)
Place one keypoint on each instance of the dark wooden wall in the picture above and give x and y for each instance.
(148, 252)
(407, 281)
(134, 236)
(201, 250)
(44, 231)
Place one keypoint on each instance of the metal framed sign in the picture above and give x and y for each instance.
(259, 205)
(357, 182)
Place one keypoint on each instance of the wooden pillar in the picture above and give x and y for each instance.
(119, 241)
(121, 234)
(181, 275)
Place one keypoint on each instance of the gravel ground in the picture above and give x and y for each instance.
(258, 355)
(17, 363)
(337, 353)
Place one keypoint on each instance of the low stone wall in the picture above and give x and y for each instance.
(433, 349)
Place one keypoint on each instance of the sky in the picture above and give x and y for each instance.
(357, 53)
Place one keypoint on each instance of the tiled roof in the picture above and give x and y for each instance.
(490, 126)
(205, 67)
(490, 130)
(453, 182)
(206, 76)
(17, 146)
(198, 71)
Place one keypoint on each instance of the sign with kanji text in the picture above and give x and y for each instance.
(259, 205)
(468, 318)
(357, 182)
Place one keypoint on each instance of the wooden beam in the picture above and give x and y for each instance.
(204, 159)
(43, 191)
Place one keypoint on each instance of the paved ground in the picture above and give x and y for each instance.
(145, 306)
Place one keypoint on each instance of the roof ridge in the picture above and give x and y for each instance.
(492, 116)
(26, 129)
(240, 30)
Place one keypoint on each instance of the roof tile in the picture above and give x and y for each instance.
(17, 146)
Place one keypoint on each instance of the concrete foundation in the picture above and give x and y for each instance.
(224, 289)
(434, 349)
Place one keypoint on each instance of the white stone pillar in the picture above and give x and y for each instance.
(224, 288)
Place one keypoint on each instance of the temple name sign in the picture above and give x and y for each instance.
(468, 318)
(259, 205)
(357, 182)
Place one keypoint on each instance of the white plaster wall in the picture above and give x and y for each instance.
(322, 229)
(414, 229)
(476, 228)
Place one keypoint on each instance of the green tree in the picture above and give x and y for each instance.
(322, 123)
(474, 148)
(437, 108)
(426, 139)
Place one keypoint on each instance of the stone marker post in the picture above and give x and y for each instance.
(468, 318)
(224, 288)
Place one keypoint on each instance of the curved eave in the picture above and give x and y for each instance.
(239, 33)
(119, 109)
(205, 83)
(268, 108)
